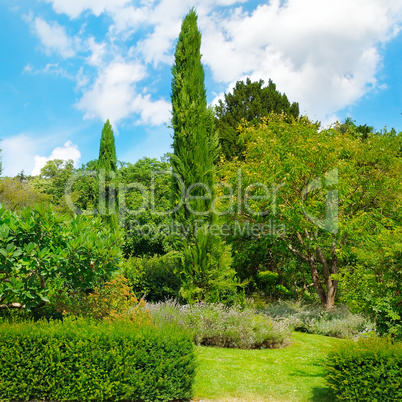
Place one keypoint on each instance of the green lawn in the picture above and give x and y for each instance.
(294, 373)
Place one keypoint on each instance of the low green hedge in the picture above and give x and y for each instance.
(86, 361)
(366, 370)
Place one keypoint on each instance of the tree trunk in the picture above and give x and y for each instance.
(327, 295)
(316, 280)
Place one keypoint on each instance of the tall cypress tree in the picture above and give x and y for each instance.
(205, 272)
(195, 142)
(107, 168)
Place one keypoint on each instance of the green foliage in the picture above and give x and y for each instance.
(362, 131)
(52, 181)
(40, 249)
(329, 190)
(205, 270)
(87, 361)
(112, 301)
(107, 152)
(253, 256)
(366, 370)
(154, 278)
(16, 194)
(218, 325)
(338, 322)
(374, 284)
(195, 141)
(249, 102)
(84, 191)
(144, 205)
(107, 168)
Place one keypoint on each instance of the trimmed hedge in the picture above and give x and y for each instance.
(87, 361)
(366, 370)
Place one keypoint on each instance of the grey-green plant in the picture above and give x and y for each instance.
(215, 324)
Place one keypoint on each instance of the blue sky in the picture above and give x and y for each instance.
(68, 65)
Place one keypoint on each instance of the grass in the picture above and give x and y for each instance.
(294, 373)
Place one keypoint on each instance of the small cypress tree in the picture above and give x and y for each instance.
(205, 273)
(107, 169)
(107, 152)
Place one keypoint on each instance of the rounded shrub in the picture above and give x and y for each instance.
(366, 370)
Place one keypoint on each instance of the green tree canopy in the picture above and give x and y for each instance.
(250, 101)
(145, 204)
(16, 194)
(329, 189)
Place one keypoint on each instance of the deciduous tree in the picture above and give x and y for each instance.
(329, 189)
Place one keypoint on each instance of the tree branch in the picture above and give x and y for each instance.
(297, 252)
(324, 263)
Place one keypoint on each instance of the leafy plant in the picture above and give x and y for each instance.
(373, 285)
(111, 301)
(154, 278)
(40, 249)
(205, 270)
(330, 190)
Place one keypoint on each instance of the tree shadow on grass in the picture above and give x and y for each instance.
(306, 373)
(322, 394)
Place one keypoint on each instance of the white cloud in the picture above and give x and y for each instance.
(68, 151)
(113, 96)
(50, 68)
(74, 8)
(54, 38)
(98, 52)
(152, 112)
(17, 154)
(165, 18)
(322, 53)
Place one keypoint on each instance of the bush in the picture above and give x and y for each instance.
(219, 325)
(83, 360)
(314, 319)
(113, 301)
(366, 370)
(153, 277)
(205, 272)
(41, 250)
